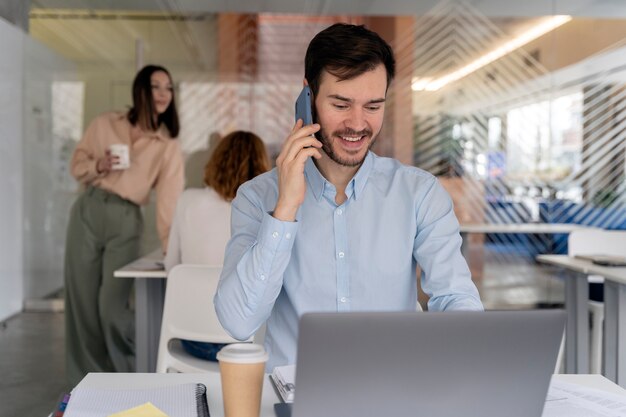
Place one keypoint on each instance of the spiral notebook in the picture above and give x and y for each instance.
(184, 400)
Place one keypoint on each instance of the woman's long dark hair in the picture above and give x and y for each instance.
(143, 103)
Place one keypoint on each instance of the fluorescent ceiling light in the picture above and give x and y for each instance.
(429, 84)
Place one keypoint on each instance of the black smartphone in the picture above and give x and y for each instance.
(303, 106)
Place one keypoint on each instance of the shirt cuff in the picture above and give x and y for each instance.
(277, 235)
(93, 168)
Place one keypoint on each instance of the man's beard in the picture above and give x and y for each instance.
(328, 150)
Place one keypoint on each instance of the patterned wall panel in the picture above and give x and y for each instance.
(545, 146)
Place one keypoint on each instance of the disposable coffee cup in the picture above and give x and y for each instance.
(242, 367)
(123, 155)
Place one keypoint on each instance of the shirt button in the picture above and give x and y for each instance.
(275, 234)
(341, 254)
(343, 299)
(262, 277)
(339, 212)
(288, 235)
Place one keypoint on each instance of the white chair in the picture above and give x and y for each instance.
(188, 313)
(596, 242)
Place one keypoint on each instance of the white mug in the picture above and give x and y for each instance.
(123, 155)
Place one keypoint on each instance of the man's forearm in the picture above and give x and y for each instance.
(253, 276)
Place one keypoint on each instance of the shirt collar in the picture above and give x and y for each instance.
(360, 179)
(162, 132)
(317, 182)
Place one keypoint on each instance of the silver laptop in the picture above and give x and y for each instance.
(476, 364)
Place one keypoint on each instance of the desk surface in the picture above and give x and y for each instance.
(214, 393)
(148, 266)
(522, 228)
(617, 274)
(153, 380)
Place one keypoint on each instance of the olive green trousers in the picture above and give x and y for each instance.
(103, 235)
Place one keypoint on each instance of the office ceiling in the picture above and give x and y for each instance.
(107, 38)
(97, 34)
(490, 8)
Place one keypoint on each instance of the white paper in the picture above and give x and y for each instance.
(175, 401)
(286, 374)
(571, 400)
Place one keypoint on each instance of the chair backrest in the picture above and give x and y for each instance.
(188, 312)
(597, 242)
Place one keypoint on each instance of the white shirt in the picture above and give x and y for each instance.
(200, 230)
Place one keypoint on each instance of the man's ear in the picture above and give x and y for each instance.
(304, 82)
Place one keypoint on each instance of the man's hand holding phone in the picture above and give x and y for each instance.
(299, 146)
(304, 106)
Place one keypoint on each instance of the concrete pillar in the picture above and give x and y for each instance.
(237, 47)
(397, 136)
(16, 12)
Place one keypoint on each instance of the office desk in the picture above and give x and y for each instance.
(214, 387)
(514, 228)
(151, 380)
(577, 333)
(150, 282)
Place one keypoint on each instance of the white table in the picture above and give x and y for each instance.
(150, 282)
(269, 398)
(577, 332)
(513, 228)
(545, 228)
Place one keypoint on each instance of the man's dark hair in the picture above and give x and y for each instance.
(143, 103)
(346, 51)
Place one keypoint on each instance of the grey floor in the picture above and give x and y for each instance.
(32, 364)
(32, 343)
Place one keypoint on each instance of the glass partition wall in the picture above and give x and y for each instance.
(518, 113)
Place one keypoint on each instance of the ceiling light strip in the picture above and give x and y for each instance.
(526, 37)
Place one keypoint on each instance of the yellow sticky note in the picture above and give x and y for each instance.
(145, 410)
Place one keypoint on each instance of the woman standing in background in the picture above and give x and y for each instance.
(201, 227)
(120, 159)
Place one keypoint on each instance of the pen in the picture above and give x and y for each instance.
(65, 399)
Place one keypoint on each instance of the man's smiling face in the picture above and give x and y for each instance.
(350, 113)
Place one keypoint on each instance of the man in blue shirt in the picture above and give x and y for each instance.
(335, 227)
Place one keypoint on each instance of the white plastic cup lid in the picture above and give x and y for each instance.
(242, 353)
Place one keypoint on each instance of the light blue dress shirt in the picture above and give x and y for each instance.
(357, 256)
